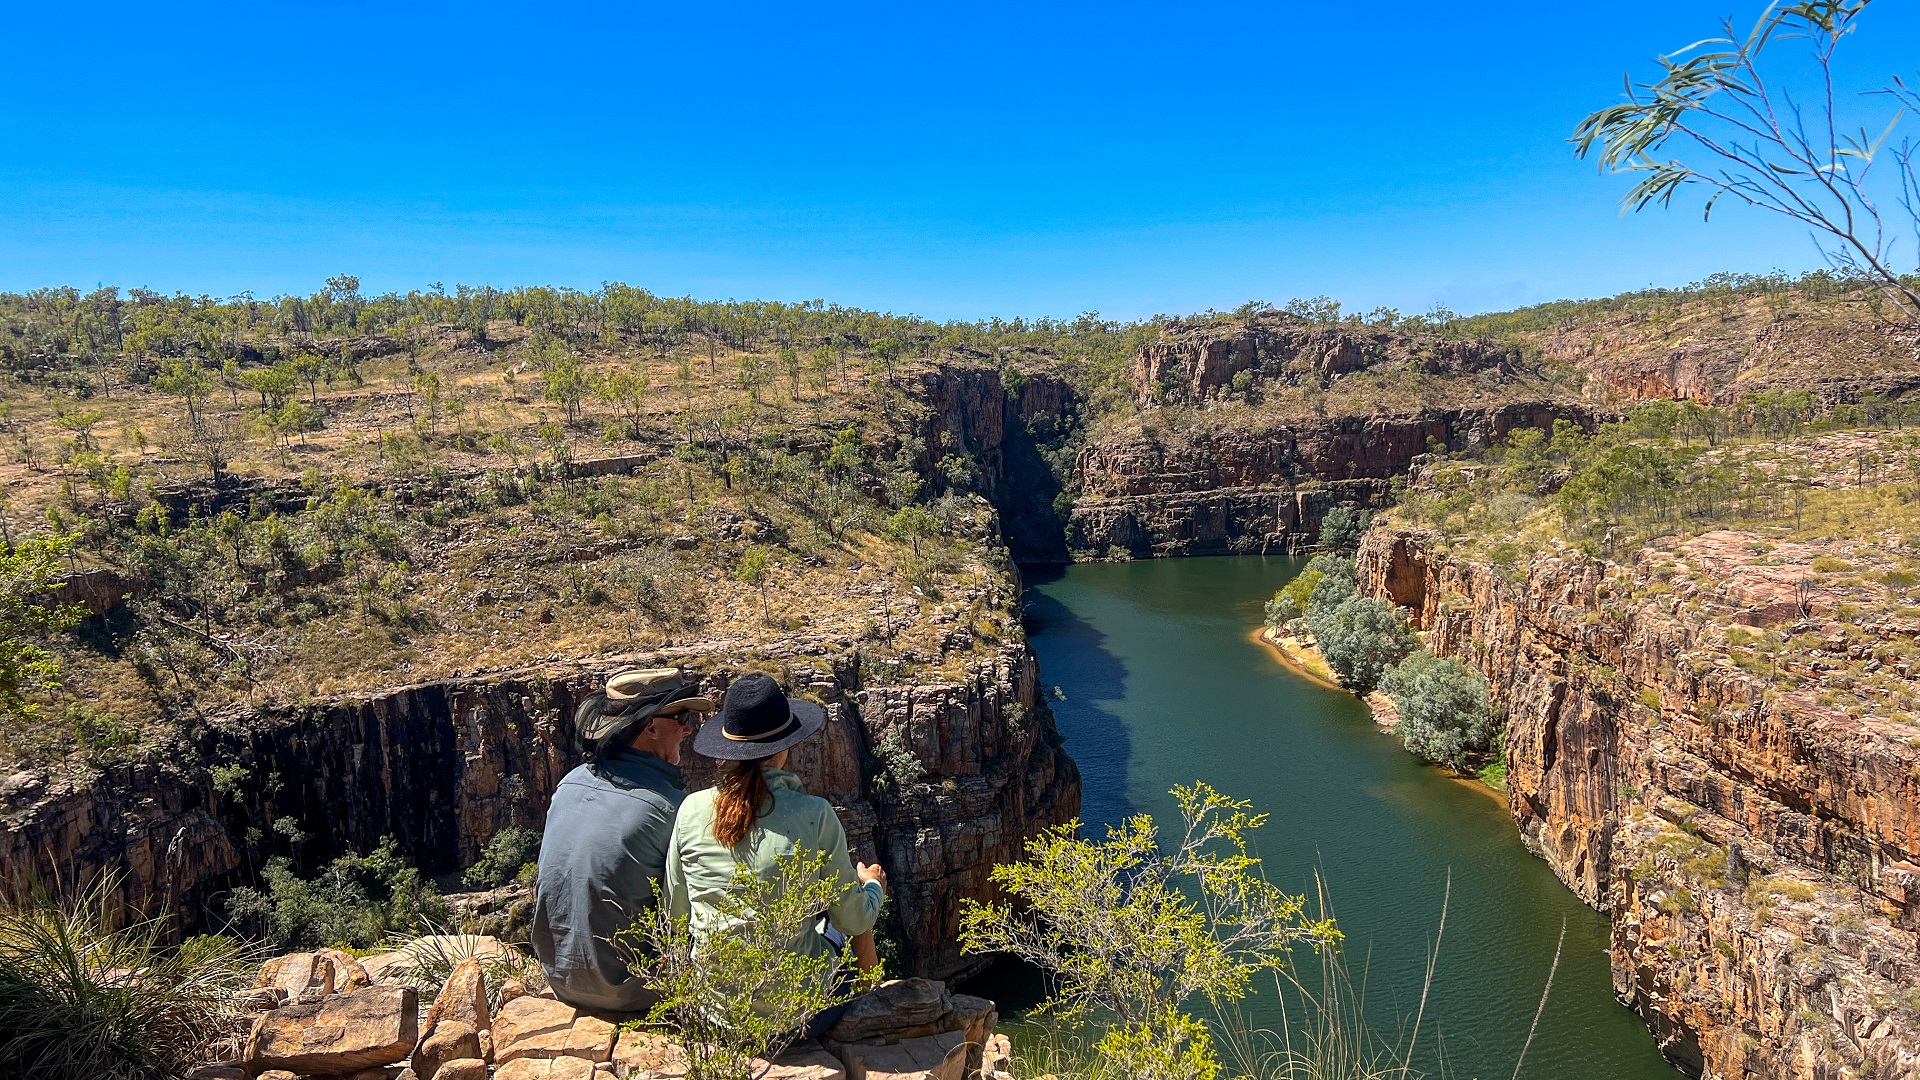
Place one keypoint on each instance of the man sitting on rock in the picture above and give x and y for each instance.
(607, 833)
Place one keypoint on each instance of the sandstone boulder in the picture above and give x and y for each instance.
(463, 998)
(997, 1058)
(462, 1069)
(348, 974)
(807, 1061)
(303, 977)
(448, 1040)
(929, 1057)
(536, 1027)
(563, 1068)
(342, 1034)
(648, 1054)
(893, 1007)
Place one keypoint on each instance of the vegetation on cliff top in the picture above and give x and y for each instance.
(1786, 526)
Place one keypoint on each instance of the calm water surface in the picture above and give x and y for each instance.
(1163, 686)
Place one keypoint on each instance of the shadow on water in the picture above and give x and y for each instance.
(1096, 734)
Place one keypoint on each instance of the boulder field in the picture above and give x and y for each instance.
(400, 1016)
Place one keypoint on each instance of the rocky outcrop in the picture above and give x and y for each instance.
(1192, 364)
(1759, 855)
(442, 767)
(904, 1029)
(1208, 491)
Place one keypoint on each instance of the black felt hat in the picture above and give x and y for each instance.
(757, 720)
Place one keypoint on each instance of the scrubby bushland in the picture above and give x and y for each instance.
(512, 852)
(1086, 902)
(82, 998)
(1444, 714)
(356, 901)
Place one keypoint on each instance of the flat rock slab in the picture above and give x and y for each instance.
(562, 1068)
(892, 1008)
(343, 1034)
(648, 1055)
(930, 1057)
(536, 1027)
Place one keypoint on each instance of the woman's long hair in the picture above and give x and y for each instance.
(744, 797)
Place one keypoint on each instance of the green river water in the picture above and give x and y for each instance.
(1163, 685)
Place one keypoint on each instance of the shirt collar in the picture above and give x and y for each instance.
(781, 778)
(631, 761)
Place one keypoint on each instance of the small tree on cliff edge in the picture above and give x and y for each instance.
(1132, 933)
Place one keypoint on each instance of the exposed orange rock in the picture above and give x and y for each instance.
(1754, 848)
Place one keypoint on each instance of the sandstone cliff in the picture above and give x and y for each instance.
(1209, 490)
(1756, 851)
(443, 766)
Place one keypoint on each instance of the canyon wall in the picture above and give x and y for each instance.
(1758, 858)
(442, 767)
(1212, 491)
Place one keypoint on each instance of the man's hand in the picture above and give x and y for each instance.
(871, 872)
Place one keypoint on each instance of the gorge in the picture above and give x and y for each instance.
(1219, 437)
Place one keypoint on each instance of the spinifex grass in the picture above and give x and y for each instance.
(81, 998)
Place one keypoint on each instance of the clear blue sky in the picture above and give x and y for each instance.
(950, 160)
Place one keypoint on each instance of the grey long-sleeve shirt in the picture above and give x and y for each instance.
(601, 861)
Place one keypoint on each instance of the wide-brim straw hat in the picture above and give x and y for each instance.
(632, 698)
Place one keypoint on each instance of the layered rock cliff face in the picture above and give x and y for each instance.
(1760, 856)
(1214, 491)
(970, 411)
(442, 767)
(1193, 365)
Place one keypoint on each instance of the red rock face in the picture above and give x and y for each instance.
(1191, 365)
(1208, 492)
(1756, 852)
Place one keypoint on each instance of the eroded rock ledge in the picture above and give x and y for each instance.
(1757, 853)
(443, 766)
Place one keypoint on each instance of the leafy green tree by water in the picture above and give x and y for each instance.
(1135, 934)
(1341, 528)
(1294, 598)
(1444, 713)
(1361, 639)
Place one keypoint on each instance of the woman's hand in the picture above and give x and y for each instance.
(871, 872)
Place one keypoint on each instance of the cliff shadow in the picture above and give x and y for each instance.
(1075, 662)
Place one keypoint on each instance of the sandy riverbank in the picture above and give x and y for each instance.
(1304, 660)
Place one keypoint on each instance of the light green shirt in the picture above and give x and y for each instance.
(700, 870)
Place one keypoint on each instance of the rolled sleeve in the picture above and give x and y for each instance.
(858, 908)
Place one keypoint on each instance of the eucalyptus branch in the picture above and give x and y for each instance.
(1758, 148)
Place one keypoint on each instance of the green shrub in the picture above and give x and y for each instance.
(743, 994)
(356, 901)
(1361, 639)
(501, 859)
(1085, 904)
(79, 1001)
(1444, 714)
(1342, 527)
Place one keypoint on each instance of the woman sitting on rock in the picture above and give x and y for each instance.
(759, 813)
